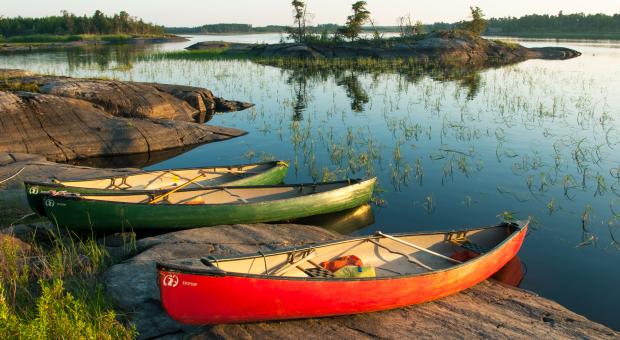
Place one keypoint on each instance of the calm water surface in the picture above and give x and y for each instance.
(538, 140)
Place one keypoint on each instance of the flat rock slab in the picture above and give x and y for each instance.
(118, 98)
(63, 129)
(488, 310)
(66, 118)
(127, 98)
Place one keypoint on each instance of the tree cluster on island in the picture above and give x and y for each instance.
(360, 16)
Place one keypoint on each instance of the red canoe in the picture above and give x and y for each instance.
(409, 269)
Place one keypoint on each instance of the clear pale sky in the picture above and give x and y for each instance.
(264, 12)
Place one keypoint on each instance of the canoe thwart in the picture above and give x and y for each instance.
(418, 247)
(409, 258)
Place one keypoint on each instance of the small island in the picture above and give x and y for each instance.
(462, 44)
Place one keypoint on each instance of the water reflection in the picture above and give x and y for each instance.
(347, 74)
(354, 90)
(299, 84)
(140, 160)
(119, 57)
(344, 222)
(512, 273)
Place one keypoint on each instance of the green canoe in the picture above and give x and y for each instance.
(265, 173)
(204, 207)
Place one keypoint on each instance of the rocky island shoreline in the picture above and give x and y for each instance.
(456, 47)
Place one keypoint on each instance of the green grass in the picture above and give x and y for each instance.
(50, 290)
(207, 54)
(6, 85)
(508, 44)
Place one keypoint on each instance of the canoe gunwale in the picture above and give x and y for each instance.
(519, 227)
(350, 183)
(60, 185)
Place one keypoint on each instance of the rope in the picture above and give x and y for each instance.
(13, 176)
(235, 195)
(265, 260)
(21, 219)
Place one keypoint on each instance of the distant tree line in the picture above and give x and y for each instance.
(530, 24)
(561, 23)
(215, 28)
(70, 24)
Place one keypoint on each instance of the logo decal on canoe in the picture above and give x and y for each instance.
(49, 202)
(33, 190)
(170, 280)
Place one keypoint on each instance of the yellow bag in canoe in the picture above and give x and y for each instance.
(355, 271)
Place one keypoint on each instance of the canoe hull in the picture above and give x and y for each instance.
(35, 190)
(77, 214)
(207, 299)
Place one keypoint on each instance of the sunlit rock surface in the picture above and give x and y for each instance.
(68, 118)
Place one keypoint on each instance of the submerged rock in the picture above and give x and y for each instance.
(488, 310)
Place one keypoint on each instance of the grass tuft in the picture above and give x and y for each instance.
(50, 290)
(18, 86)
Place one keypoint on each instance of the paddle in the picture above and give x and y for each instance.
(162, 196)
(418, 247)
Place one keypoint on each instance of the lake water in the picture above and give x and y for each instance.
(536, 140)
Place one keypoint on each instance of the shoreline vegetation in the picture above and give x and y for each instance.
(71, 30)
(51, 285)
(50, 38)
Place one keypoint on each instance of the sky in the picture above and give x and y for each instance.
(278, 12)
